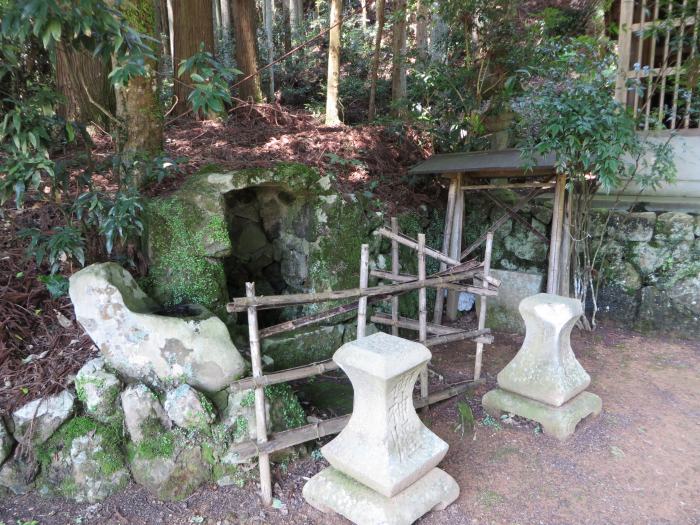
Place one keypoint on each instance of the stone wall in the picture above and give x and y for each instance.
(651, 279)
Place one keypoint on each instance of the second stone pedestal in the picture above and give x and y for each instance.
(544, 381)
(383, 462)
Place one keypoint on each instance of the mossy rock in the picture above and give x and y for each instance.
(83, 461)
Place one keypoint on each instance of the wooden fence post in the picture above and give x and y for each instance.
(422, 312)
(482, 310)
(260, 412)
(456, 246)
(395, 271)
(364, 279)
(447, 236)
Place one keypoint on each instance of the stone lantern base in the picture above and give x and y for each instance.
(559, 422)
(332, 491)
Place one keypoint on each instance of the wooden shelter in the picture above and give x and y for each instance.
(494, 170)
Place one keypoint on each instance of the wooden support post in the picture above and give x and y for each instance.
(482, 309)
(422, 312)
(395, 271)
(364, 279)
(565, 256)
(446, 238)
(556, 235)
(260, 422)
(456, 245)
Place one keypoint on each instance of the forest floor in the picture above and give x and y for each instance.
(638, 462)
(41, 345)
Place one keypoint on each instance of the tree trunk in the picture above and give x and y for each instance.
(398, 69)
(76, 71)
(193, 24)
(226, 39)
(138, 105)
(244, 22)
(438, 35)
(363, 18)
(295, 17)
(332, 118)
(374, 70)
(268, 16)
(422, 15)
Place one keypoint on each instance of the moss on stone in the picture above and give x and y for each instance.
(180, 271)
(154, 445)
(285, 409)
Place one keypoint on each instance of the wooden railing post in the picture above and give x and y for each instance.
(446, 238)
(364, 280)
(260, 412)
(422, 312)
(482, 310)
(395, 271)
(456, 246)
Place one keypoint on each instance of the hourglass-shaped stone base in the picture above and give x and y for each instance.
(544, 381)
(383, 462)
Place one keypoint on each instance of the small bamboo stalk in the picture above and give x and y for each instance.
(484, 334)
(394, 271)
(260, 423)
(412, 324)
(364, 279)
(482, 310)
(422, 312)
(291, 374)
(280, 301)
(447, 235)
(406, 241)
(289, 438)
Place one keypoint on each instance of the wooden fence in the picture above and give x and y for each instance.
(448, 278)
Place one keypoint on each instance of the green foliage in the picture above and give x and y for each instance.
(210, 80)
(465, 418)
(56, 284)
(62, 244)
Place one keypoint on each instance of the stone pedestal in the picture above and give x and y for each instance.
(544, 381)
(383, 462)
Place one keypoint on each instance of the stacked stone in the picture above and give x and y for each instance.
(544, 381)
(383, 464)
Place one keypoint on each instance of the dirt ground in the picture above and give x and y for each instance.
(638, 462)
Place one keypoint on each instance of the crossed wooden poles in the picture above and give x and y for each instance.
(447, 278)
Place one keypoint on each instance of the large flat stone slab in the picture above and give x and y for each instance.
(559, 422)
(384, 445)
(545, 368)
(502, 310)
(332, 491)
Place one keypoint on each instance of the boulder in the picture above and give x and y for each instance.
(525, 244)
(154, 349)
(697, 226)
(35, 422)
(171, 470)
(671, 311)
(624, 275)
(188, 408)
(673, 227)
(648, 257)
(503, 310)
(6, 442)
(86, 468)
(17, 474)
(98, 390)
(636, 227)
(303, 346)
(142, 412)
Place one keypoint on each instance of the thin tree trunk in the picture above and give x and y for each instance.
(332, 117)
(244, 25)
(398, 69)
(422, 15)
(193, 25)
(77, 68)
(295, 18)
(438, 34)
(374, 70)
(363, 19)
(287, 23)
(138, 105)
(226, 40)
(268, 15)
